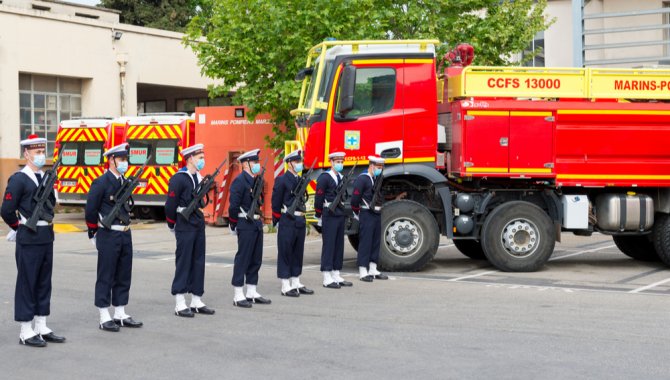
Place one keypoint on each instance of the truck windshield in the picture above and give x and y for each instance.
(76, 153)
(163, 152)
(319, 88)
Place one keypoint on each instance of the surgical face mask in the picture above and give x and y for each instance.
(255, 168)
(122, 166)
(200, 164)
(39, 160)
(338, 167)
(377, 172)
(298, 167)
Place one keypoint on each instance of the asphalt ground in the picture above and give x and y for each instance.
(592, 312)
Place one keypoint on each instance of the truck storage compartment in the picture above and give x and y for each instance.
(624, 212)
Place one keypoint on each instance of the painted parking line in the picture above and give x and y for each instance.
(582, 252)
(473, 275)
(647, 287)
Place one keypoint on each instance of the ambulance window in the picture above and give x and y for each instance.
(166, 152)
(138, 153)
(92, 153)
(374, 92)
(70, 152)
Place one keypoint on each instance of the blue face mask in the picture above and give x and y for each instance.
(377, 172)
(298, 167)
(255, 168)
(338, 167)
(122, 167)
(39, 160)
(200, 164)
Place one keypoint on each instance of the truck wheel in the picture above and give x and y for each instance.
(470, 248)
(518, 237)
(353, 240)
(144, 212)
(637, 247)
(661, 237)
(410, 236)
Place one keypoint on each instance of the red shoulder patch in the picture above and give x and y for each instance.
(320, 191)
(356, 192)
(171, 194)
(8, 196)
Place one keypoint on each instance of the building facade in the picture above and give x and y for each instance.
(60, 60)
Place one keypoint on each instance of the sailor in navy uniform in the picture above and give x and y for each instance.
(332, 223)
(115, 245)
(369, 216)
(34, 250)
(249, 233)
(189, 275)
(291, 230)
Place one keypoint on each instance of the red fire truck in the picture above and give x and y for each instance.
(499, 159)
(163, 136)
(81, 143)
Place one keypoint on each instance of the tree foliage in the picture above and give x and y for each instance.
(257, 46)
(161, 14)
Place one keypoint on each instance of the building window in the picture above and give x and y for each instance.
(537, 45)
(43, 102)
(666, 33)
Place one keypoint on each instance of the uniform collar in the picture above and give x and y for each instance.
(31, 174)
(336, 176)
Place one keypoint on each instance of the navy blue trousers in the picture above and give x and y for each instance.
(249, 254)
(115, 267)
(189, 274)
(369, 238)
(290, 246)
(32, 295)
(332, 234)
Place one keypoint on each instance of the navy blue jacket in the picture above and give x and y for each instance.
(99, 199)
(19, 197)
(282, 194)
(240, 196)
(180, 194)
(363, 190)
(326, 191)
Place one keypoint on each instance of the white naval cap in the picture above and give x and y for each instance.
(192, 150)
(376, 160)
(251, 155)
(337, 156)
(296, 155)
(34, 142)
(118, 151)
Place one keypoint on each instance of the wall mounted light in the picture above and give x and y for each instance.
(116, 35)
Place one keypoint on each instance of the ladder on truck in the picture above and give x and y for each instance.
(554, 83)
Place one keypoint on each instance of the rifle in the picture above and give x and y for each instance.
(341, 190)
(200, 191)
(299, 190)
(376, 190)
(41, 197)
(257, 192)
(121, 197)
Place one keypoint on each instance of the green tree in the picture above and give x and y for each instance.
(257, 46)
(161, 14)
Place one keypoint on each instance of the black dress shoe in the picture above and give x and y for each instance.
(128, 322)
(260, 300)
(202, 310)
(244, 303)
(109, 326)
(186, 313)
(332, 285)
(367, 278)
(304, 290)
(291, 293)
(53, 338)
(34, 341)
(381, 276)
(345, 283)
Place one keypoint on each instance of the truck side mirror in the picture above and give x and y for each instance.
(347, 85)
(303, 73)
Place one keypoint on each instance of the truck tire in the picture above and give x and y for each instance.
(637, 247)
(661, 237)
(410, 236)
(518, 237)
(470, 248)
(353, 240)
